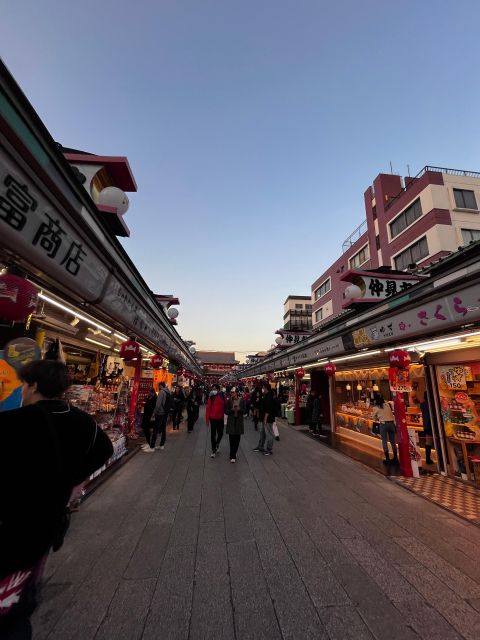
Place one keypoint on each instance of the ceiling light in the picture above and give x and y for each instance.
(74, 313)
(101, 344)
(435, 341)
(357, 355)
(120, 336)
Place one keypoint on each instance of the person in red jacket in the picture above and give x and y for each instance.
(214, 415)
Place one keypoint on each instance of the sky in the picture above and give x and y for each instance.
(252, 127)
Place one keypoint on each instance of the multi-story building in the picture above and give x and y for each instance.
(409, 221)
(297, 313)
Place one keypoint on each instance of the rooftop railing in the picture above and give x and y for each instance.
(353, 237)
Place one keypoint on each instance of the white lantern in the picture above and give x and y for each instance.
(279, 340)
(192, 349)
(172, 313)
(114, 197)
(353, 292)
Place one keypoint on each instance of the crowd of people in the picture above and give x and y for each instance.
(226, 410)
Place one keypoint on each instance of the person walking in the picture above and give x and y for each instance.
(255, 406)
(235, 409)
(148, 419)
(267, 411)
(48, 448)
(162, 409)
(178, 398)
(382, 413)
(214, 415)
(193, 408)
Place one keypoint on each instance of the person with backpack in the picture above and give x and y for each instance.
(162, 408)
(214, 416)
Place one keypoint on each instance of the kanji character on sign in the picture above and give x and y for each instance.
(391, 288)
(376, 287)
(296, 339)
(49, 235)
(73, 258)
(437, 314)
(16, 203)
(458, 306)
(289, 338)
(423, 318)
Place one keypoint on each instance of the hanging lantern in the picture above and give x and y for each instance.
(375, 387)
(348, 387)
(269, 377)
(300, 373)
(192, 349)
(279, 340)
(130, 350)
(172, 313)
(18, 298)
(330, 369)
(156, 361)
(359, 387)
(400, 359)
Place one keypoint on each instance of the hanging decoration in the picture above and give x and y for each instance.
(18, 298)
(300, 373)
(130, 350)
(400, 359)
(330, 369)
(156, 361)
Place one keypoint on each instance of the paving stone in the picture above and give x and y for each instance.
(128, 609)
(344, 623)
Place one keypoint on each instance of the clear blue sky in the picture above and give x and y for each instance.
(253, 128)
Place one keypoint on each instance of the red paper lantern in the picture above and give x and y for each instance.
(330, 369)
(130, 350)
(18, 298)
(300, 373)
(400, 359)
(156, 361)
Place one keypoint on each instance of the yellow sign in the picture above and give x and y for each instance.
(8, 380)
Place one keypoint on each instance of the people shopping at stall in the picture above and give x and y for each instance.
(382, 413)
(214, 416)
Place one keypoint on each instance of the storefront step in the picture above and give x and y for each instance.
(452, 495)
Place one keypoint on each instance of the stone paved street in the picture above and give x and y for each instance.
(304, 544)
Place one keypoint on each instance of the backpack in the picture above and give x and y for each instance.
(168, 406)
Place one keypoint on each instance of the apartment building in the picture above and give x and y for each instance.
(297, 313)
(407, 221)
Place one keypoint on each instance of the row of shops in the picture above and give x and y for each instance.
(437, 322)
(83, 299)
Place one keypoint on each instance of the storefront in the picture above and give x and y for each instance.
(89, 296)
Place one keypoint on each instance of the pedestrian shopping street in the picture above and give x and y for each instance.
(304, 544)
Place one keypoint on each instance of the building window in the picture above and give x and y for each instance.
(470, 235)
(359, 258)
(415, 252)
(308, 307)
(318, 315)
(406, 218)
(299, 306)
(377, 242)
(465, 199)
(322, 289)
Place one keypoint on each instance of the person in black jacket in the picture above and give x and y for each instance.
(267, 413)
(178, 398)
(48, 447)
(147, 417)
